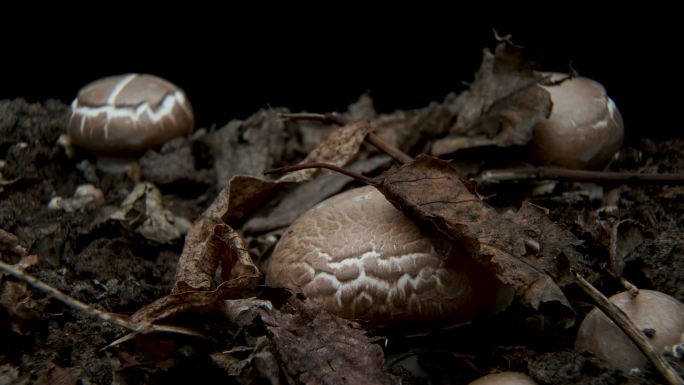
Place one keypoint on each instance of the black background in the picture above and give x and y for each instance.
(233, 62)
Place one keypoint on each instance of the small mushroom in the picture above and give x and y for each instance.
(584, 130)
(120, 117)
(662, 314)
(504, 378)
(361, 258)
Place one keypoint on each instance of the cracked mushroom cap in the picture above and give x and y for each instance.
(659, 312)
(361, 258)
(585, 128)
(127, 114)
(504, 378)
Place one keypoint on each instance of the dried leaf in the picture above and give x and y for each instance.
(338, 149)
(502, 105)
(195, 287)
(524, 249)
(151, 220)
(307, 345)
(626, 236)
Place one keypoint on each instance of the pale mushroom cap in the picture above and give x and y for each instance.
(127, 114)
(650, 309)
(504, 378)
(584, 130)
(361, 258)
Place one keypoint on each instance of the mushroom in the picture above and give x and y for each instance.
(120, 117)
(361, 258)
(660, 315)
(504, 378)
(584, 130)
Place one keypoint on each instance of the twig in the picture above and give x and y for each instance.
(387, 148)
(563, 174)
(303, 166)
(625, 323)
(87, 309)
(323, 118)
(372, 137)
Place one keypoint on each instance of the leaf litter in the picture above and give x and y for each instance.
(270, 339)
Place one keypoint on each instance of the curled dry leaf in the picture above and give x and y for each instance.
(305, 346)
(195, 286)
(525, 249)
(620, 237)
(625, 237)
(143, 211)
(502, 105)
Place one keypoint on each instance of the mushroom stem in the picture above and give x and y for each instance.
(303, 166)
(498, 175)
(627, 326)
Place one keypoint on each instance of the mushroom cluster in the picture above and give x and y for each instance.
(361, 258)
(585, 128)
(122, 116)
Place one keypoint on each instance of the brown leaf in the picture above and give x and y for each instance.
(338, 149)
(143, 212)
(502, 105)
(626, 236)
(524, 249)
(307, 345)
(248, 147)
(207, 246)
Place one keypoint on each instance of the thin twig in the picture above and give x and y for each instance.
(323, 118)
(303, 166)
(625, 323)
(90, 310)
(372, 137)
(387, 148)
(563, 174)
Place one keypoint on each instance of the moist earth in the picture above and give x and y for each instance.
(108, 264)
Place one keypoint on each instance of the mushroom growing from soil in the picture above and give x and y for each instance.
(117, 118)
(361, 258)
(585, 128)
(504, 378)
(659, 315)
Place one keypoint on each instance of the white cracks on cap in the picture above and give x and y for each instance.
(135, 114)
(122, 116)
(119, 87)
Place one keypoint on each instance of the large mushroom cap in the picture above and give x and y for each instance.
(585, 128)
(127, 114)
(648, 310)
(361, 258)
(504, 378)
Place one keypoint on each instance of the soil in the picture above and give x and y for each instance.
(106, 263)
